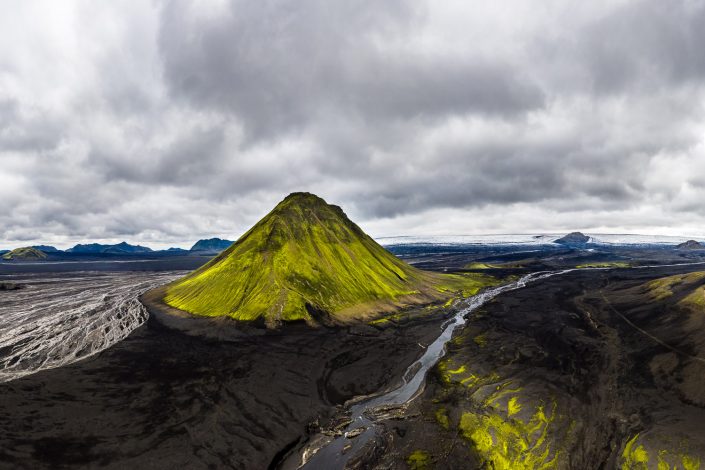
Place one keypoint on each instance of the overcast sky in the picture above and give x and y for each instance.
(164, 122)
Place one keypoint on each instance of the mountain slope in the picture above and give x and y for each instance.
(306, 260)
(25, 253)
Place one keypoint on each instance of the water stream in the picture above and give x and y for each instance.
(335, 453)
(57, 320)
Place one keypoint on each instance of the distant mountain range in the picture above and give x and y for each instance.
(206, 247)
(120, 248)
(213, 246)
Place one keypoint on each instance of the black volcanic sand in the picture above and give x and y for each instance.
(165, 398)
(603, 359)
(203, 394)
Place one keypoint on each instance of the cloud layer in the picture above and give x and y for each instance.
(169, 121)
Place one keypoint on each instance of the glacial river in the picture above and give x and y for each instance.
(334, 453)
(60, 319)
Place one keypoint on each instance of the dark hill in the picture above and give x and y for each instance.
(691, 245)
(574, 238)
(211, 245)
(26, 253)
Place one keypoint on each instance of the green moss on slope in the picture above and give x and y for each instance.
(506, 426)
(662, 288)
(305, 258)
(605, 264)
(24, 253)
(635, 456)
(418, 460)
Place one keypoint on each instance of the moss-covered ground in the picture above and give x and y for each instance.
(663, 288)
(478, 266)
(605, 264)
(418, 460)
(640, 455)
(506, 427)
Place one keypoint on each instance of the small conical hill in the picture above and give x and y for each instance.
(25, 253)
(305, 259)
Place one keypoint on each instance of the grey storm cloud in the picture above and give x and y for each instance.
(166, 121)
(282, 66)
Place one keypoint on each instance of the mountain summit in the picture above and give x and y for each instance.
(306, 260)
(691, 245)
(574, 238)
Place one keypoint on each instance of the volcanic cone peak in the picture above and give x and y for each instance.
(305, 260)
(574, 238)
(691, 245)
(305, 216)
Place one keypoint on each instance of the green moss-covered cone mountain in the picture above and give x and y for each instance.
(304, 260)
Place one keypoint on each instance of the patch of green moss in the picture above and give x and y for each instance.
(465, 284)
(696, 299)
(506, 443)
(662, 288)
(457, 371)
(389, 319)
(502, 426)
(408, 314)
(305, 258)
(461, 375)
(690, 462)
(477, 265)
(482, 266)
(480, 340)
(513, 406)
(605, 264)
(442, 418)
(418, 460)
(636, 456)
(500, 392)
